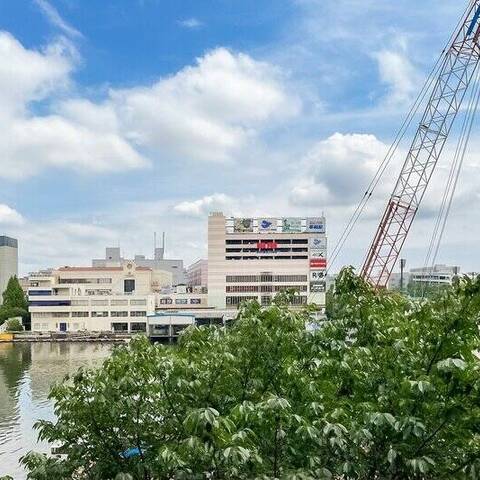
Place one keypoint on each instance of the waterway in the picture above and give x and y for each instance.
(27, 371)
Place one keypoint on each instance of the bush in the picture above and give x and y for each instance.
(14, 325)
(387, 388)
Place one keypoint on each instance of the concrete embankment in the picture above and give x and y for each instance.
(65, 337)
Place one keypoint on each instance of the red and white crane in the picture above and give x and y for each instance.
(459, 63)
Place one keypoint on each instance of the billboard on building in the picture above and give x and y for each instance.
(316, 224)
(318, 263)
(292, 225)
(267, 225)
(317, 275)
(318, 253)
(318, 243)
(317, 287)
(243, 225)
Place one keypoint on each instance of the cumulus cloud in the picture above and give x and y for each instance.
(337, 170)
(32, 143)
(398, 74)
(208, 112)
(203, 206)
(9, 216)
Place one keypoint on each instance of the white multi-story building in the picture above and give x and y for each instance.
(8, 261)
(436, 275)
(256, 258)
(197, 274)
(92, 298)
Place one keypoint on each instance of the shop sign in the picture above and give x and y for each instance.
(319, 242)
(267, 224)
(318, 254)
(317, 287)
(267, 245)
(243, 225)
(318, 263)
(316, 275)
(316, 224)
(291, 225)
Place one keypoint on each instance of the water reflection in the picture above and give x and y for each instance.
(27, 372)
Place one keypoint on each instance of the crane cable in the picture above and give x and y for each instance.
(393, 148)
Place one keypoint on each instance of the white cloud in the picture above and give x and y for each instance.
(203, 206)
(398, 74)
(191, 23)
(9, 216)
(338, 170)
(208, 111)
(55, 19)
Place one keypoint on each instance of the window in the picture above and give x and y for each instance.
(35, 293)
(100, 302)
(138, 327)
(297, 241)
(166, 301)
(119, 327)
(195, 301)
(84, 280)
(238, 300)
(99, 314)
(138, 302)
(129, 285)
(79, 314)
(181, 301)
(50, 303)
(118, 303)
(119, 314)
(138, 313)
(80, 303)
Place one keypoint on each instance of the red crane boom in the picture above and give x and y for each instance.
(456, 72)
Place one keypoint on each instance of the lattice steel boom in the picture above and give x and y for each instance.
(456, 72)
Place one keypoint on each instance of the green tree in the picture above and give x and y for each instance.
(13, 296)
(14, 325)
(15, 302)
(386, 388)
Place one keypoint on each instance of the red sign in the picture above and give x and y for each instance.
(318, 263)
(267, 245)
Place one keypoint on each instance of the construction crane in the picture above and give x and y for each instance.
(459, 63)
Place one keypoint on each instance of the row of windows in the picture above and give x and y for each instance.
(87, 314)
(273, 250)
(271, 257)
(265, 300)
(113, 303)
(282, 241)
(264, 288)
(264, 278)
(180, 301)
(84, 280)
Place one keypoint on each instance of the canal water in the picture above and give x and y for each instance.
(27, 371)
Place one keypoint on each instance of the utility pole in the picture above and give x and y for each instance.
(403, 262)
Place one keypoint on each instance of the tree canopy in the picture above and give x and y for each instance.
(15, 302)
(386, 388)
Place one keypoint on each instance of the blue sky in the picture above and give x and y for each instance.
(125, 117)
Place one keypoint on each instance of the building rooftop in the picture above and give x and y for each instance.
(99, 269)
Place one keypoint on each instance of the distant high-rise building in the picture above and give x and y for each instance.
(8, 261)
(197, 274)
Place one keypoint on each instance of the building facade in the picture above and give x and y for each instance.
(436, 275)
(8, 261)
(197, 274)
(256, 258)
(175, 268)
(95, 299)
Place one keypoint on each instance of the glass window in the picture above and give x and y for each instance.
(129, 285)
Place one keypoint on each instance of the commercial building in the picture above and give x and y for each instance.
(113, 258)
(256, 258)
(8, 261)
(197, 274)
(92, 298)
(436, 275)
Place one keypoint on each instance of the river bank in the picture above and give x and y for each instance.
(32, 337)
